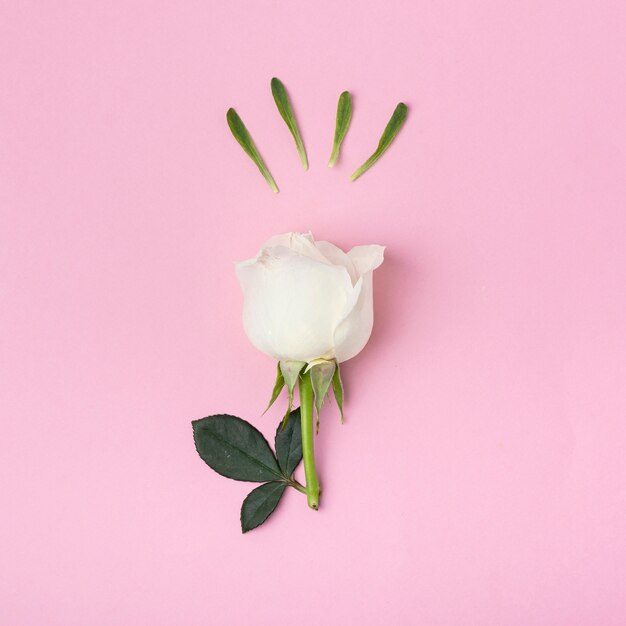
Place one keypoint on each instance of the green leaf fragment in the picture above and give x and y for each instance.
(344, 115)
(286, 112)
(290, 370)
(235, 449)
(260, 503)
(391, 130)
(241, 134)
(278, 386)
(321, 375)
(288, 443)
(338, 390)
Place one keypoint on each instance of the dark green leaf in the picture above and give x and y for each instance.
(391, 130)
(288, 444)
(344, 114)
(286, 112)
(260, 504)
(241, 134)
(235, 449)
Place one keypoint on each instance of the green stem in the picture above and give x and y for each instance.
(296, 485)
(306, 417)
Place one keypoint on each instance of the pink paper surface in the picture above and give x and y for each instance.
(480, 478)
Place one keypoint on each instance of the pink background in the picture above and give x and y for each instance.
(480, 478)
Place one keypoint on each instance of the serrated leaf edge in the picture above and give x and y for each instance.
(271, 482)
(279, 475)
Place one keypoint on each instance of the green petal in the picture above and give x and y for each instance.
(344, 114)
(391, 130)
(241, 134)
(286, 112)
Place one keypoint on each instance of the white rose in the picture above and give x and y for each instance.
(307, 299)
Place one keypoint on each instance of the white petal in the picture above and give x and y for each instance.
(354, 331)
(366, 258)
(338, 257)
(278, 240)
(293, 304)
(301, 243)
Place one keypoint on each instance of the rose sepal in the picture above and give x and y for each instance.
(322, 372)
(291, 372)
